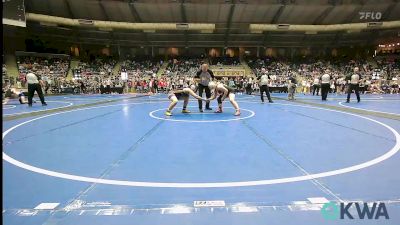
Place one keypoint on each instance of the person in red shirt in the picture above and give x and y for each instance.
(144, 85)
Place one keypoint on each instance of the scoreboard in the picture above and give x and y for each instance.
(14, 13)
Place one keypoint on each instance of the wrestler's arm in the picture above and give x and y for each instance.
(191, 92)
(225, 94)
(214, 96)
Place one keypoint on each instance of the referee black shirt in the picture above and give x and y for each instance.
(205, 77)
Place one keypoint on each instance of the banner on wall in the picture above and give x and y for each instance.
(229, 72)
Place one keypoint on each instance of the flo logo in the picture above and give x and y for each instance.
(333, 211)
(370, 15)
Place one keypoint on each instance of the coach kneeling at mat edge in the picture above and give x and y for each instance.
(203, 77)
(34, 84)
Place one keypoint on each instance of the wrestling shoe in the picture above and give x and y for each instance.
(44, 104)
(237, 113)
(167, 113)
(185, 111)
(208, 108)
(270, 101)
(201, 110)
(218, 111)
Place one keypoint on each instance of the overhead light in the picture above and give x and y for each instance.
(283, 26)
(85, 22)
(374, 24)
(182, 26)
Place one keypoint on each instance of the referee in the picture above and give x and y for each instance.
(203, 77)
(325, 84)
(354, 84)
(34, 85)
(264, 79)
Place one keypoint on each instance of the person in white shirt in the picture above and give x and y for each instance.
(316, 85)
(108, 86)
(291, 87)
(354, 81)
(249, 86)
(308, 85)
(333, 87)
(34, 84)
(325, 84)
(264, 80)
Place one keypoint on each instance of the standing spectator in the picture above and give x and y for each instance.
(239, 84)
(333, 87)
(291, 88)
(304, 86)
(22, 78)
(316, 85)
(108, 86)
(231, 83)
(308, 86)
(45, 80)
(249, 86)
(138, 86)
(129, 86)
(144, 86)
(82, 87)
(155, 85)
